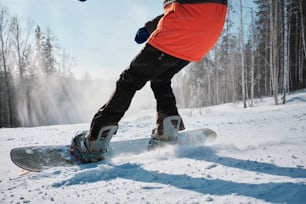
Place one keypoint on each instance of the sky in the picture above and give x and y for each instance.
(98, 34)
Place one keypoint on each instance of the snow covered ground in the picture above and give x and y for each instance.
(258, 157)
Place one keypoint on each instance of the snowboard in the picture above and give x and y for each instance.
(39, 158)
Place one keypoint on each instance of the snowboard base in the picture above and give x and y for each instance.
(39, 158)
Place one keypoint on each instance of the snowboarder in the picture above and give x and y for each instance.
(186, 31)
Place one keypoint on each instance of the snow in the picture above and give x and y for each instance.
(258, 157)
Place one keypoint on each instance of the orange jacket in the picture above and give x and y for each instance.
(189, 30)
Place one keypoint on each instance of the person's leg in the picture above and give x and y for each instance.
(165, 99)
(161, 87)
(147, 65)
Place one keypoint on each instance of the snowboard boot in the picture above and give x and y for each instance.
(86, 150)
(167, 128)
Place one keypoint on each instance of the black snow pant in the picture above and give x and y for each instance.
(149, 65)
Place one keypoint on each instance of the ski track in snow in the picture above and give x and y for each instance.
(258, 157)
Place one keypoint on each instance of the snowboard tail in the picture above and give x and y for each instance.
(39, 158)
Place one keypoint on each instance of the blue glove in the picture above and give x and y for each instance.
(142, 35)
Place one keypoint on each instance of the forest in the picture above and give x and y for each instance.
(262, 52)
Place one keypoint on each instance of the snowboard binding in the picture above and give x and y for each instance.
(171, 127)
(86, 151)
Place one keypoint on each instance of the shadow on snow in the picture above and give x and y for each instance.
(209, 155)
(285, 192)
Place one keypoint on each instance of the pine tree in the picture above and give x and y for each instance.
(48, 49)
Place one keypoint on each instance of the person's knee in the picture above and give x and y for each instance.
(160, 84)
(131, 81)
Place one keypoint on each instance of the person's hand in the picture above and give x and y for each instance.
(142, 35)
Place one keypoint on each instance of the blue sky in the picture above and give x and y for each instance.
(99, 34)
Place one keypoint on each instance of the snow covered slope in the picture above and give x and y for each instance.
(258, 157)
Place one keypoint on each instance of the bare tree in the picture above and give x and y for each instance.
(302, 27)
(4, 54)
(20, 38)
(274, 63)
(253, 59)
(286, 57)
(242, 58)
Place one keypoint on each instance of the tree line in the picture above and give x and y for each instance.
(260, 53)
